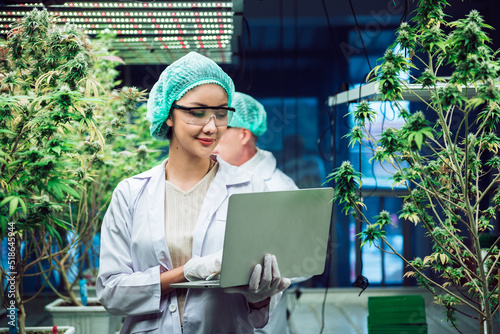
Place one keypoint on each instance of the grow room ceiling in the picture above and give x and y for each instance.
(153, 32)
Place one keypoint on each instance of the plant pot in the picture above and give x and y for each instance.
(48, 330)
(85, 319)
(90, 291)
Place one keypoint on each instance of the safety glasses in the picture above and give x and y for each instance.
(200, 116)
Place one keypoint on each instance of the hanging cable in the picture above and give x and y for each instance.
(361, 281)
(405, 12)
(249, 41)
(244, 48)
(329, 255)
(360, 35)
(343, 87)
(330, 28)
(296, 85)
(328, 264)
(282, 73)
(239, 72)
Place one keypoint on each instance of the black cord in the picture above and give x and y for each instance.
(245, 50)
(282, 71)
(330, 112)
(328, 269)
(360, 35)
(334, 214)
(296, 86)
(405, 12)
(333, 40)
(238, 72)
(249, 41)
(361, 281)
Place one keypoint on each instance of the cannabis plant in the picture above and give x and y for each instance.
(47, 93)
(57, 149)
(446, 156)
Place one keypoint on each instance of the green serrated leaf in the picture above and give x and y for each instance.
(54, 187)
(65, 225)
(5, 200)
(7, 131)
(70, 191)
(418, 139)
(53, 233)
(23, 206)
(3, 224)
(13, 206)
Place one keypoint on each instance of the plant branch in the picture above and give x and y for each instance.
(432, 281)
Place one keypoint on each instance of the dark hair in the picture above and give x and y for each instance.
(169, 129)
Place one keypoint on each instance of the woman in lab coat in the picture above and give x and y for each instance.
(166, 225)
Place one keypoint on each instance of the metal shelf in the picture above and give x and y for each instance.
(414, 93)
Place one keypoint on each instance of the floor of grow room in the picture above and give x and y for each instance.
(344, 311)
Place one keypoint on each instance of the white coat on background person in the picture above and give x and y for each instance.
(167, 224)
(265, 168)
(238, 147)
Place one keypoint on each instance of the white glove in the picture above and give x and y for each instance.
(202, 267)
(264, 282)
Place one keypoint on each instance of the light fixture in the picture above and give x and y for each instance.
(146, 26)
(371, 91)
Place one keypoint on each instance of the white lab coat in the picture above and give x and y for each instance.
(275, 180)
(134, 253)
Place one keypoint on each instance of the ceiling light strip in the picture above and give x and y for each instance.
(162, 32)
(151, 22)
(151, 5)
(174, 40)
(228, 20)
(135, 5)
(176, 14)
(170, 47)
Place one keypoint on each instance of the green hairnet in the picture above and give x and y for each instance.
(176, 80)
(249, 114)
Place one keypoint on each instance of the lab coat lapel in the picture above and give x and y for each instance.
(156, 213)
(216, 195)
(266, 167)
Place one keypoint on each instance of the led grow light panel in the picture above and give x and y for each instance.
(145, 27)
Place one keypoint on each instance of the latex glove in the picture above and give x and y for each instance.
(264, 282)
(202, 267)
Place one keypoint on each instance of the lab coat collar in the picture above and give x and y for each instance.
(265, 169)
(231, 174)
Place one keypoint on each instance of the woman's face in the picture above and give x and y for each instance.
(196, 140)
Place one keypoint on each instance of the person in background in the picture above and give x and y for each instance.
(164, 226)
(238, 147)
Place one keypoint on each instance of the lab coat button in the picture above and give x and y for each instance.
(172, 308)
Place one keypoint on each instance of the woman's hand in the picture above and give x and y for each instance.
(265, 281)
(202, 267)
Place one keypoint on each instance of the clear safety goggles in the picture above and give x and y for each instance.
(202, 115)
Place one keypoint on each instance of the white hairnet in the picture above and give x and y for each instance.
(250, 114)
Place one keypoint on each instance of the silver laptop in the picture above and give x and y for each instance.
(292, 225)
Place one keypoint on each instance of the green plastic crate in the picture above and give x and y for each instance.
(396, 314)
